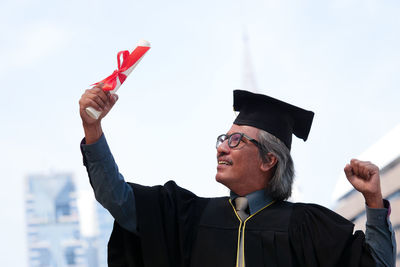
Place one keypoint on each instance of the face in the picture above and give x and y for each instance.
(239, 168)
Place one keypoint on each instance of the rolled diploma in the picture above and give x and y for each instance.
(95, 114)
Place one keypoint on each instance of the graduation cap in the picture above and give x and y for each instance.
(272, 115)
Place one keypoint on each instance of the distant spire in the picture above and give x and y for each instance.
(248, 78)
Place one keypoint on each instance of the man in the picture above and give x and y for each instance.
(170, 226)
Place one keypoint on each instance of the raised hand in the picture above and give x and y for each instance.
(100, 100)
(364, 176)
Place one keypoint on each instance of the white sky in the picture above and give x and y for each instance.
(338, 58)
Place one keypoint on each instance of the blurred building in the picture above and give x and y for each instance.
(350, 204)
(105, 224)
(53, 230)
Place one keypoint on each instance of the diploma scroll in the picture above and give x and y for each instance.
(125, 67)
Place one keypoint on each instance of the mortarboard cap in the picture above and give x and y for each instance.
(272, 115)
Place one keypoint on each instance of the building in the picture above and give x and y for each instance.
(386, 155)
(52, 217)
(96, 226)
(105, 224)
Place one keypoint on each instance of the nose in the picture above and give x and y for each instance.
(223, 148)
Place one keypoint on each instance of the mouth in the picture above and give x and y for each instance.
(224, 162)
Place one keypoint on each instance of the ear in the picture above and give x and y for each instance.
(270, 162)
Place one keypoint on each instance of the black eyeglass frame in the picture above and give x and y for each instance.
(228, 137)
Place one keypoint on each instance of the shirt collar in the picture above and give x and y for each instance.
(257, 200)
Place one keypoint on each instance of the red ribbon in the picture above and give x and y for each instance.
(128, 60)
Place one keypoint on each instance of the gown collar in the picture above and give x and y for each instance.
(257, 200)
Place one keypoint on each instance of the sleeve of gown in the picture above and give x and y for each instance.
(167, 217)
(110, 188)
(380, 235)
(320, 237)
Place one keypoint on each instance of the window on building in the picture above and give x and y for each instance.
(44, 256)
(70, 256)
(63, 201)
(63, 209)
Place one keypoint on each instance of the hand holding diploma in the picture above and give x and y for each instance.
(96, 102)
(125, 66)
(101, 100)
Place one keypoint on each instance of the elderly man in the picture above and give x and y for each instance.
(255, 226)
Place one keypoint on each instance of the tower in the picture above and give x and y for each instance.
(248, 78)
(52, 218)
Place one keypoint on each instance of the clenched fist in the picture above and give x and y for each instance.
(364, 176)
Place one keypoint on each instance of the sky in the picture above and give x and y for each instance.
(338, 58)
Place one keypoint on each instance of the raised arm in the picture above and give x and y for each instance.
(364, 176)
(109, 186)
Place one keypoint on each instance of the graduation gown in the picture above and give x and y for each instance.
(178, 229)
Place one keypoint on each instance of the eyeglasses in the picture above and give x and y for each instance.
(234, 139)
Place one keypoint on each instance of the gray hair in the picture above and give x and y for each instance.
(279, 186)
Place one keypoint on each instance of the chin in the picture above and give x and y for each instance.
(218, 178)
(222, 180)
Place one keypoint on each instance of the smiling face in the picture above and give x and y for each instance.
(241, 168)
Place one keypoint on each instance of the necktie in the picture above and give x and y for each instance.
(241, 204)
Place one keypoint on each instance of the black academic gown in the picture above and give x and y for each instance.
(179, 229)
